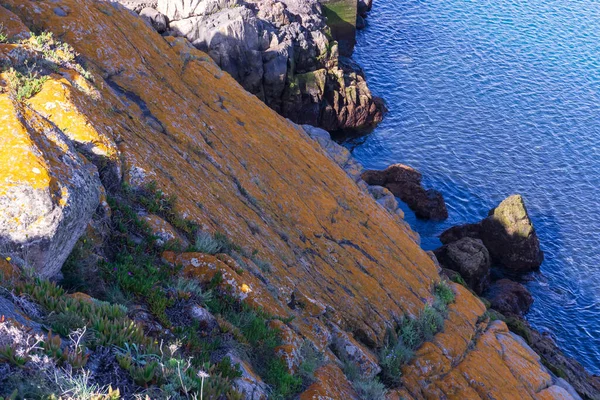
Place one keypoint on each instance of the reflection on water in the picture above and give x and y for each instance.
(493, 98)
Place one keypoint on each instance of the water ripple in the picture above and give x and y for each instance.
(490, 98)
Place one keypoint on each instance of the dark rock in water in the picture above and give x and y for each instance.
(507, 233)
(461, 231)
(470, 258)
(361, 23)
(405, 182)
(509, 297)
(510, 236)
(364, 6)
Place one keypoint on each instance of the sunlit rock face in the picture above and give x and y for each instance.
(154, 108)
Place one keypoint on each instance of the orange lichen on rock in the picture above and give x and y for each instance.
(157, 109)
(61, 103)
(331, 384)
(472, 359)
(12, 26)
(258, 177)
(244, 286)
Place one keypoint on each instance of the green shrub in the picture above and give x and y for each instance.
(3, 36)
(444, 292)
(370, 389)
(392, 358)
(430, 322)
(206, 243)
(65, 322)
(311, 361)
(412, 333)
(25, 86)
(285, 385)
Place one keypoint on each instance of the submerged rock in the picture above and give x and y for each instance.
(470, 258)
(507, 233)
(405, 182)
(509, 297)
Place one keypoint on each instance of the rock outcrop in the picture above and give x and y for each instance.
(507, 233)
(292, 54)
(49, 191)
(509, 297)
(405, 182)
(307, 244)
(470, 259)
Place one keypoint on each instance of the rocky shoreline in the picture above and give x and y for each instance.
(295, 55)
(221, 251)
(505, 240)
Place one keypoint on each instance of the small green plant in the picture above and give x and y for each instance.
(187, 288)
(444, 292)
(10, 355)
(3, 35)
(370, 389)
(412, 333)
(25, 86)
(263, 265)
(65, 322)
(311, 361)
(285, 384)
(206, 243)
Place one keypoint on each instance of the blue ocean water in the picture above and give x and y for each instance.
(490, 98)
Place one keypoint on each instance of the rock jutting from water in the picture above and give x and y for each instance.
(405, 182)
(293, 54)
(507, 233)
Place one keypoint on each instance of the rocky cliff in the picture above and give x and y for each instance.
(292, 54)
(174, 180)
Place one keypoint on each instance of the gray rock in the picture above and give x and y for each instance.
(138, 5)
(182, 9)
(54, 208)
(207, 321)
(560, 382)
(157, 20)
(60, 12)
(470, 258)
(384, 197)
(249, 384)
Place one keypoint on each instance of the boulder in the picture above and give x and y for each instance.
(139, 5)
(507, 233)
(49, 192)
(155, 18)
(405, 182)
(364, 6)
(200, 314)
(470, 258)
(509, 297)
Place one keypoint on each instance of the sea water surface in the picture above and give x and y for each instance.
(491, 98)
